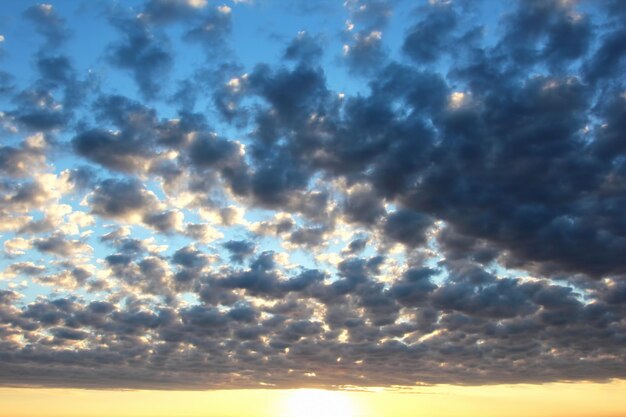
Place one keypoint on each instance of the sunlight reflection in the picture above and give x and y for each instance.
(317, 403)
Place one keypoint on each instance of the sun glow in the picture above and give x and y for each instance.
(316, 403)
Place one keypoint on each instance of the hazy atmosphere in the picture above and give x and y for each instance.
(391, 202)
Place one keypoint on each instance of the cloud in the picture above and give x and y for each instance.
(608, 58)
(566, 33)
(363, 49)
(167, 11)
(110, 150)
(362, 205)
(141, 52)
(121, 198)
(304, 48)
(366, 53)
(426, 40)
(58, 244)
(38, 110)
(406, 227)
(453, 215)
(25, 159)
(135, 140)
(202, 232)
(212, 30)
(48, 24)
(371, 13)
(239, 249)
(130, 202)
(209, 151)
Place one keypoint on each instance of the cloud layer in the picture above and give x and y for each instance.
(177, 216)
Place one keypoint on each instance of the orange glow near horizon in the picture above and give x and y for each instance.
(548, 400)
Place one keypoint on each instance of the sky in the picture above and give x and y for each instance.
(229, 207)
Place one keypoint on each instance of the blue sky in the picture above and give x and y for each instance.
(202, 194)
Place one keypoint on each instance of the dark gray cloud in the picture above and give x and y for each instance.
(366, 54)
(6, 81)
(426, 41)
(168, 11)
(608, 59)
(356, 246)
(59, 76)
(308, 236)
(48, 24)
(60, 245)
(534, 321)
(304, 48)
(407, 227)
(134, 136)
(110, 149)
(39, 110)
(364, 206)
(57, 69)
(363, 49)
(212, 30)
(564, 34)
(239, 249)
(20, 161)
(163, 221)
(189, 257)
(373, 14)
(209, 151)
(120, 198)
(129, 201)
(26, 268)
(142, 52)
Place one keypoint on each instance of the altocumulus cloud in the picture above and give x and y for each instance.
(407, 193)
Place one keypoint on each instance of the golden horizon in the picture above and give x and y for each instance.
(572, 399)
